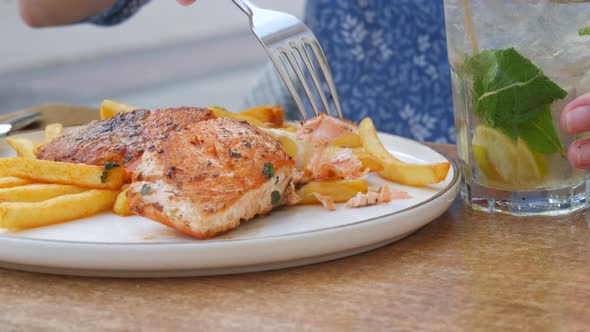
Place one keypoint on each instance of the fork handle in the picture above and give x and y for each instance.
(246, 6)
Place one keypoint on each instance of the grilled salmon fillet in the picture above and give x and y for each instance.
(189, 170)
(121, 139)
(206, 179)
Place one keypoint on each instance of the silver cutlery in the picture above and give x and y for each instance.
(293, 49)
(18, 122)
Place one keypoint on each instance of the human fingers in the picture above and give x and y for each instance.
(186, 2)
(575, 117)
(578, 153)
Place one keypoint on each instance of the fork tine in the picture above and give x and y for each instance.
(288, 82)
(290, 54)
(323, 62)
(300, 47)
(274, 29)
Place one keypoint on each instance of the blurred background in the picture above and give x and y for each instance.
(166, 55)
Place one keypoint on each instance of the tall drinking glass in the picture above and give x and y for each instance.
(515, 64)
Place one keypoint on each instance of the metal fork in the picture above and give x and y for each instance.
(292, 48)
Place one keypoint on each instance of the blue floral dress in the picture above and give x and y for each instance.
(388, 57)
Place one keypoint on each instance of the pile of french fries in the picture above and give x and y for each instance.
(35, 193)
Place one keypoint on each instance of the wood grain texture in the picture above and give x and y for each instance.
(465, 271)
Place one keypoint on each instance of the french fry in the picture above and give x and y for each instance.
(289, 128)
(394, 169)
(11, 181)
(25, 148)
(368, 161)
(223, 113)
(272, 114)
(63, 173)
(38, 147)
(351, 140)
(56, 210)
(110, 108)
(37, 192)
(122, 205)
(339, 190)
(286, 139)
(53, 130)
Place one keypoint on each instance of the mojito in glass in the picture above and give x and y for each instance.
(515, 64)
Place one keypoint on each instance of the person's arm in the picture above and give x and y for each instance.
(575, 119)
(44, 13)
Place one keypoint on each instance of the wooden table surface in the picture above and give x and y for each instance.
(464, 271)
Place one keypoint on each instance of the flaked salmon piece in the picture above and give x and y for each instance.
(315, 162)
(327, 201)
(325, 129)
(292, 197)
(391, 194)
(316, 135)
(342, 164)
(384, 195)
(204, 179)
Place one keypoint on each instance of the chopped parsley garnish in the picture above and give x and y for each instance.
(234, 154)
(145, 189)
(275, 197)
(107, 167)
(268, 170)
(171, 170)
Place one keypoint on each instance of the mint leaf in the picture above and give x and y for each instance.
(510, 93)
(499, 68)
(584, 31)
(518, 103)
(540, 134)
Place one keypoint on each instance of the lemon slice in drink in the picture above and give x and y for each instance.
(532, 166)
(480, 155)
(504, 160)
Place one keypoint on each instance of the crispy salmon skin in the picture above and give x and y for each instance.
(121, 139)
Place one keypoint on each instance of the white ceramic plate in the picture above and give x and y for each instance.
(108, 245)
